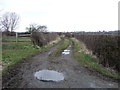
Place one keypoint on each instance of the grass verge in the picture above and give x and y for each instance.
(63, 46)
(90, 61)
(12, 53)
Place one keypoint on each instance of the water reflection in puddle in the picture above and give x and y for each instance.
(66, 52)
(49, 75)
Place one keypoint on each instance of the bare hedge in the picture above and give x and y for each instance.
(105, 47)
(41, 39)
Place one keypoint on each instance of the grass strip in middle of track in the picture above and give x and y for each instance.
(63, 46)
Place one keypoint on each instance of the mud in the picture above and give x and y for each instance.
(75, 76)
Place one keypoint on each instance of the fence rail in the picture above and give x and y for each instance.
(17, 37)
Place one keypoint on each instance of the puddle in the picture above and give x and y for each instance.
(49, 75)
(66, 52)
(110, 84)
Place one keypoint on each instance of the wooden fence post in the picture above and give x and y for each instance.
(16, 37)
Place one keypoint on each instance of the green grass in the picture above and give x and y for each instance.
(63, 46)
(13, 39)
(15, 52)
(91, 62)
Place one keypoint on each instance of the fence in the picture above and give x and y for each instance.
(16, 37)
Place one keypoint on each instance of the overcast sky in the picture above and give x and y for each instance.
(65, 15)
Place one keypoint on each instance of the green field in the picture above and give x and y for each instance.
(13, 39)
(14, 52)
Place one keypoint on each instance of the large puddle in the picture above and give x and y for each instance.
(49, 75)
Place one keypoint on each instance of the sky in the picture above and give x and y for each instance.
(65, 15)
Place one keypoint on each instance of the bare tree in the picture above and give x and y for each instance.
(42, 28)
(0, 22)
(36, 28)
(32, 28)
(9, 21)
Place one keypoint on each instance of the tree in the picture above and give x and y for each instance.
(42, 28)
(0, 22)
(36, 28)
(9, 21)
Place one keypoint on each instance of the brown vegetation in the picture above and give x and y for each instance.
(105, 47)
(41, 39)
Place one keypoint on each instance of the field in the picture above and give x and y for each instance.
(13, 52)
(13, 39)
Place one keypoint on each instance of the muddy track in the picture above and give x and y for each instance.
(75, 75)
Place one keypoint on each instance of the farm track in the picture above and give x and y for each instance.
(75, 75)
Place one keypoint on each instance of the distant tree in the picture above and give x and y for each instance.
(36, 28)
(9, 21)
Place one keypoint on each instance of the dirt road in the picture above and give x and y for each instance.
(75, 75)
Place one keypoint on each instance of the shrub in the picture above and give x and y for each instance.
(41, 39)
(104, 46)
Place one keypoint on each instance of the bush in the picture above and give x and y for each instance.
(104, 46)
(41, 39)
